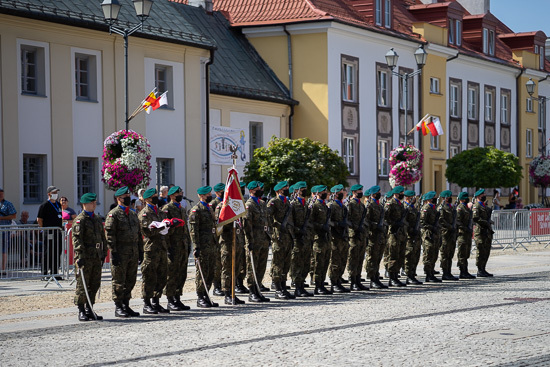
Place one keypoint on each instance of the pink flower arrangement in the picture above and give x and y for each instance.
(539, 171)
(126, 161)
(406, 165)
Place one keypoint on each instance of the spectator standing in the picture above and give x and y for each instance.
(512, 200)
(7, 214)
(496, 200)
(163, 197)
(68, 213)
(50, 215)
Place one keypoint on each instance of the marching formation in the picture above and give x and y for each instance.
(317, 233)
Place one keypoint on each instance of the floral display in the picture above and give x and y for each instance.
(539, 171)
(126, 156)
(405, 165)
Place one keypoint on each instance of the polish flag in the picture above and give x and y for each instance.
(160, 101)
(435, 126)
(233, 203)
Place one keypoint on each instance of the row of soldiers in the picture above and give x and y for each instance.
(309, 235)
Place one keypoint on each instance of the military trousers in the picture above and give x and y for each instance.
(464, 245)
(338, 257)
(92, 274)
(429, 256)
(396, 246)
(241, 270)
(124, 275)
(226, 244)
(374, 252)
(402, 255)
(301, 259)
(260, 252)
(321, 258)
(282, 254)
(178, 258)
(356, 256)
(207, 261)
(412, 255)
(447, 251)
(154, 269)
(483, 246)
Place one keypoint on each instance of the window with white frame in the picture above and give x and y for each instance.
(349, 84)
(488, 41)
(34, 176)
(458, 32)
(378, 12)
(472, 103)
(383, 157)
(349, 153)
(86, 175)
(485, 40)
(165, 172)
(434, 85)
(529, 143)
(387, 13)
(489, 116)
(504, 108)
(491, 42)
(85, 77)
(255, 136)
(451, 31)
(383, 95)
(454, 102)
(536, 49)
(164, 82)
(33, 78)
(454, 150)
(434, 142)
(528, 105)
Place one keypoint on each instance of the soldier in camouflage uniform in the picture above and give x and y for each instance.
(310, 201)
(320, 219)
(357, 233)
(387, 197)
(178, 241)
(448, 239)
(241, 270)
(154, 267)
(126, 245)
(376, 238)
(257, 231)
(412, 253)
(280, 216)
(340, 240)
(397, 235)
(90, 250)
(429, 234)
(303, 241)
(483, 233)
(203, 232)
(464, 224)
(219, 190)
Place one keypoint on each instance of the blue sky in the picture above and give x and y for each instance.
(523, 15)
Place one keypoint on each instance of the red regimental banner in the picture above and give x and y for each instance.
(540, 222)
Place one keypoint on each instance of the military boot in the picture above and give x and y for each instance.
(229, 300)
(339, 288)
(320, 288)
(91, 313)
(158, 307)
(273, 286)
(375, 283)
(394, 281)
(263, 288)
(285, 290)
(279, 292)
(128, 310)
(464, 274)
(353, 284)
(120, 311)
(300, 291)
(240, 288)
(173, 304)
(218, 289)
(430, 277)
(181, 305)
(212, 303)
(359, 285)
(148, 308)
(82, 313)
(202, 302)
(482, 273)
(343, 281)
(254, 296)
(411, 279)
(448, 276)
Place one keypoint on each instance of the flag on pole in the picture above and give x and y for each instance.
(149, 101)
(435, 126)
(422, 125)
(160, 101)
(233, 203)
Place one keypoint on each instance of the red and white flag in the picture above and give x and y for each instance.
(160, 101)
(233, 203)
(435, 126)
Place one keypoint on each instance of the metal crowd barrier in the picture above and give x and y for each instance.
(518, 228)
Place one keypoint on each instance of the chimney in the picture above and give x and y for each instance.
(476, 7)
(205, 4)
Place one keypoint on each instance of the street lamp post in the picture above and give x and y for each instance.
(391, 60)
(111, 9)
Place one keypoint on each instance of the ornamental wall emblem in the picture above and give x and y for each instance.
(489, 135)
(472, 133)
(505, 137)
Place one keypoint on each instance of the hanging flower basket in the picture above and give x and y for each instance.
(539, 171)
(126, 161)
(405, 165)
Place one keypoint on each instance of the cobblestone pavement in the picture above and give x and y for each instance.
(500, 321)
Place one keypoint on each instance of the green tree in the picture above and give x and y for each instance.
(296, 160)
(484, 167)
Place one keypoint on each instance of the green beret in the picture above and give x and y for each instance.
(367, 193)
(314, 188)
(150, 192)
(173, 190)
(204, 190)
(429, 195)
(300, 185)
(320, 188)
(389, 194)
(463, 196)
(479, 192)
(446, 194)
(374, 189)
(243, 184)
(398, 189)
(337, 188)
(291, 188)
(409, 193)
(356, 187)
(253, 184)
(122, 191)
(219, 187)
(261, 184)
(280, 185)
(88, 198)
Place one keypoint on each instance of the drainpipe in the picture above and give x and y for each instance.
(207, 115)
(290, 80)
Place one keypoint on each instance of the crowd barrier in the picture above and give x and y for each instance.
(519, 228)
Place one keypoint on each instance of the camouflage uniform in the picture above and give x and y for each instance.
(377, 243)
(226, 248)
(483, 233)
(218, 260)
(301, 252)
(203, 228)
(428, 217)
(395, 212)
(340, 241)
(412, 254)
(257, 231)
(178, 242)
(124, 240)
(154, 267)
(448, 241)
(281, 240)
(357, 237)
(464, 227)
(321, 240)
(90, 246)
